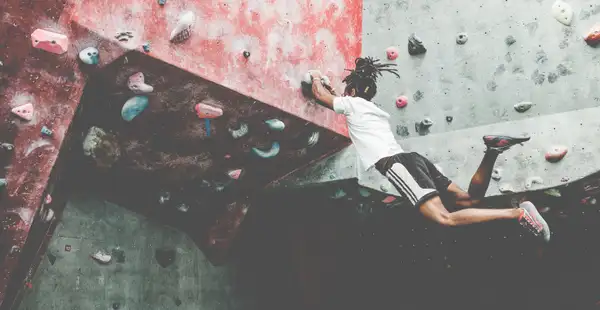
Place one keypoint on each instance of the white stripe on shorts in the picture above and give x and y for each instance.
(406, 184)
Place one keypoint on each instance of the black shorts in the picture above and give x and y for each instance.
(414, 176)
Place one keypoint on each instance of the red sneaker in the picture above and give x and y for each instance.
(502, 143)
(531, 219)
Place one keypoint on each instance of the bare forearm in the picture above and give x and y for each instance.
(322, 94)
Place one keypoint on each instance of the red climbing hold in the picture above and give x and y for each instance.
(401, 102)
(50, 41)
(235, 174)
(24, 111)
(593, 38)
(207, 111)
(389, 199)
(556, 154)
(392, 53)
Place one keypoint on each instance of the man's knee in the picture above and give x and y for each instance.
(434, 210)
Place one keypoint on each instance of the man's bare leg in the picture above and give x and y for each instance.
(434, 210)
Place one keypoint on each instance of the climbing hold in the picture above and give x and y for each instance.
(510, 40)
(137, 84)
(240, 132)
(415, 45)
(565, 179)
(392, 53)
(554, 192)
(89, 56)
(389, 199)
(116, 305)
(246, 54)
(235, 174)
(462, 38)
(2, 183)
(497, 174)
(24, 111)
(162, 2)
(164, 197)
(532, 181)
(46, 131)
(49, 216)
(339, 193)
(593, 37)
(50, 41)
(208, 111)
(401, 102)
(384, 188)
(426, 122)
(7, 146)
(183, 29)
(183, 207)
(133, 107)
(272, 152)
(562, 12)
(449, 119)
(506, 188)
(307, 78)
(146, 47)
(556, 154)
(313, 139)
(275, 124)
(523, 106)
(102, 257)
(363, 192)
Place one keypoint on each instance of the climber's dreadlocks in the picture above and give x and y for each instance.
(364, 77)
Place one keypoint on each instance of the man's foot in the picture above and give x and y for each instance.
(531, 219)
(502, 143)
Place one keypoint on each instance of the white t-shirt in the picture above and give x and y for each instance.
(369, 130)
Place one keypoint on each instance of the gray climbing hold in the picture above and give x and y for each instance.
(449, 119)
(134, 107)
(510, 40)
(415, 45)
(183, 207)
(7, 146)
(506, 188)
(462, 38)
(183, 29)
(339, 193)
(497, 174)
(89, 56)
(426, 122)
(240, 132)
(272, 152)
(522, 107)
(313, 139)
(164, 197)
(137, 84)
(384, 188)
(531, 181)
(275, 124)
(554, 192)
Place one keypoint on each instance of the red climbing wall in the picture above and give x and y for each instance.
(284, 38)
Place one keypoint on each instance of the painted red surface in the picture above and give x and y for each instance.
(285, 39)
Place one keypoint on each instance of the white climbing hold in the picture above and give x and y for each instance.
(275, 124)
(556, 153)
(523, 106)
(532, 181)
(506, 188)
(183, 208)
(313, 139)
(240, 132)
(49, 216)
(24, 111)
(554, 192)
(272, 152)
(384, 188)
(497, 174)
(562, 12)
(307, 78)
(137, 84)
(89, 56)
(183, 29)
(339, 193)
(102, 257)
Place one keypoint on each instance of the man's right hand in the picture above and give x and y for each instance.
(315, 75)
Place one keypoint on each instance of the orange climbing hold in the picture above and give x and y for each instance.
(207, 111)
(593, 38)
(24, 111)
(50, 41)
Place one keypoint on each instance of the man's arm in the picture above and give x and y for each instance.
(320, 91)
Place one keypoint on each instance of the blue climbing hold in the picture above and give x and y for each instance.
(133, 107)
(146, 47)
(267, 154)
(46, 131)
(162, 2)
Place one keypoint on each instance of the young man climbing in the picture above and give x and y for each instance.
(413, 175)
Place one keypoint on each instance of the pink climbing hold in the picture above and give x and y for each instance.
(24, 111)
(392, 53)
(50, 41)
(207, 111)
(556, 154)
(235, 174)
(389, 199)
(48, 199)
(401, 102)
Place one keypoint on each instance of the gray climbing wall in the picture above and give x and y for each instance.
(75, 281)
(479, 82)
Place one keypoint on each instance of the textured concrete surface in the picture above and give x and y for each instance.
(478, 84)
(72, 280)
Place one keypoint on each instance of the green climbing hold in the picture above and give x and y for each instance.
(272, 152)
(339, 193)
(275, 124)
(2, 183)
